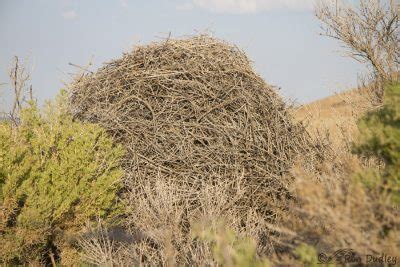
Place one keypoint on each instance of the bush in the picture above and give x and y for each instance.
(307, 255)
(380, 138)
(229, 249)
(55, 175)
(349, 202)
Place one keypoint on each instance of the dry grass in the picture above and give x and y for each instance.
(336, 115)
(330, 210)
(199, 152)
(168, 226)
(333, 210)
(206, 138)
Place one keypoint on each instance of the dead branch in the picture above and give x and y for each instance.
(368, 31)
(19, 77)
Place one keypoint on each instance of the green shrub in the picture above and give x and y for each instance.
(380, 138)
(307, 255)
(55, 175)
(228, 249)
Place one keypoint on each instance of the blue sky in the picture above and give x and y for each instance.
(280, 36)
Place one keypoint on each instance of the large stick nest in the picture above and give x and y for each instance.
(192, 110)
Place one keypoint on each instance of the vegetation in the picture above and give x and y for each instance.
(380, 138)
(56, 174)
(370, 33)
(213, 157)
(307, 255)
(333, 210)
(228, 249)
(350, 202)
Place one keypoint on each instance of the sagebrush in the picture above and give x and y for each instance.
(56, 174)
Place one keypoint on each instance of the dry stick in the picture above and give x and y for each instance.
(53, 262)
(80, 67)
(30, 93)
(16, 104)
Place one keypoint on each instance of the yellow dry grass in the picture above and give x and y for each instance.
(335, 116)
(333, 209)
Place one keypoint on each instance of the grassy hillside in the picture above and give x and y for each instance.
(336, 115)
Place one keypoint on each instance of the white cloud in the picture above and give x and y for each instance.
(69, 14)
(124, 3)
(252, 6)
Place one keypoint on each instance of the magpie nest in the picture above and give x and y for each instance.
(193, 111)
